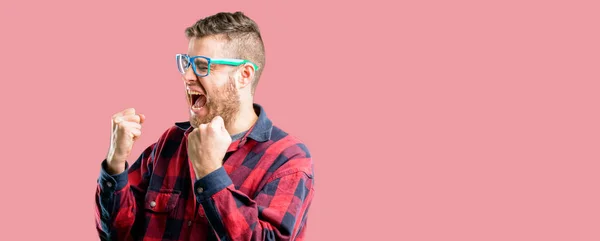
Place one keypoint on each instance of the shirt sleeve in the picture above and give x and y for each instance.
(277, 213)
(117, 197)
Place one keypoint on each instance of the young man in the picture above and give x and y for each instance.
(227, 173)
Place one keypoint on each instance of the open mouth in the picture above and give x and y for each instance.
(197, 100)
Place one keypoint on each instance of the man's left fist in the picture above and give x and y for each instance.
(207, 146)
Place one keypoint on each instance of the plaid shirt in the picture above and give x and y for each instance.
(262, 192)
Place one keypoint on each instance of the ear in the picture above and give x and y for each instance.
(245, 75)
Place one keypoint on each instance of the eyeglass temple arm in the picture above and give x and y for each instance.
(232, 62)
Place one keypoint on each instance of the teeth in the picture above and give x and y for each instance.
(191, 92)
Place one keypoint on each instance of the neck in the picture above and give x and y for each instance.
(245, 118)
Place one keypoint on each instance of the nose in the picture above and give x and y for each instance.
(189, 76)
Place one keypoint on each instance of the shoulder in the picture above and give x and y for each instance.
(174, 134)
(289, 143)
(291, 153)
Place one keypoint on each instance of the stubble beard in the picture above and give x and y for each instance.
(224, 102)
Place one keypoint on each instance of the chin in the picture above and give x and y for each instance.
(197, 119)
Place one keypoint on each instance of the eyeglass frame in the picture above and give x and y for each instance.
(230, 62)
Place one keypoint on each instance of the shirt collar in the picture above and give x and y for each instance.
(261, 131)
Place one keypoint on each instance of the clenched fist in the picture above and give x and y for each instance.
(126, 129)
(207, 146)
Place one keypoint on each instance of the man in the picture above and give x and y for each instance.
(227, 173)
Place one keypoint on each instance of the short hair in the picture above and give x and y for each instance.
(241, 33)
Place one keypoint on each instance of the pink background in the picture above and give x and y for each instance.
(436, 120)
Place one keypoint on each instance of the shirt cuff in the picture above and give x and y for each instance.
(212, 183)
(112, 183)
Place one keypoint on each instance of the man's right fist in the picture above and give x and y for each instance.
(126, 129)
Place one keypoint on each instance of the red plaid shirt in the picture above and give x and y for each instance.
(262, 192)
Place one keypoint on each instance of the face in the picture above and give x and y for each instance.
(215, 94)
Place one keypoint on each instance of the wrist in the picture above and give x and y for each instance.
(202, 171)
(114, 168)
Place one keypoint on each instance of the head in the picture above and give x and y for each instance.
(233, 45)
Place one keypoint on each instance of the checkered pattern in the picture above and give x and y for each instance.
(262, 192)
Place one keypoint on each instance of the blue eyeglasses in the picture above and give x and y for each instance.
(201, 64)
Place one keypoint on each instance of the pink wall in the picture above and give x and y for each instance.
(431, 120)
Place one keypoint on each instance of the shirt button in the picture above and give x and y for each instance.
(189, 223)
(153, 204)
(200, 190)
(108, 184)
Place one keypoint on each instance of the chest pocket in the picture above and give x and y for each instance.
(163, 201)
